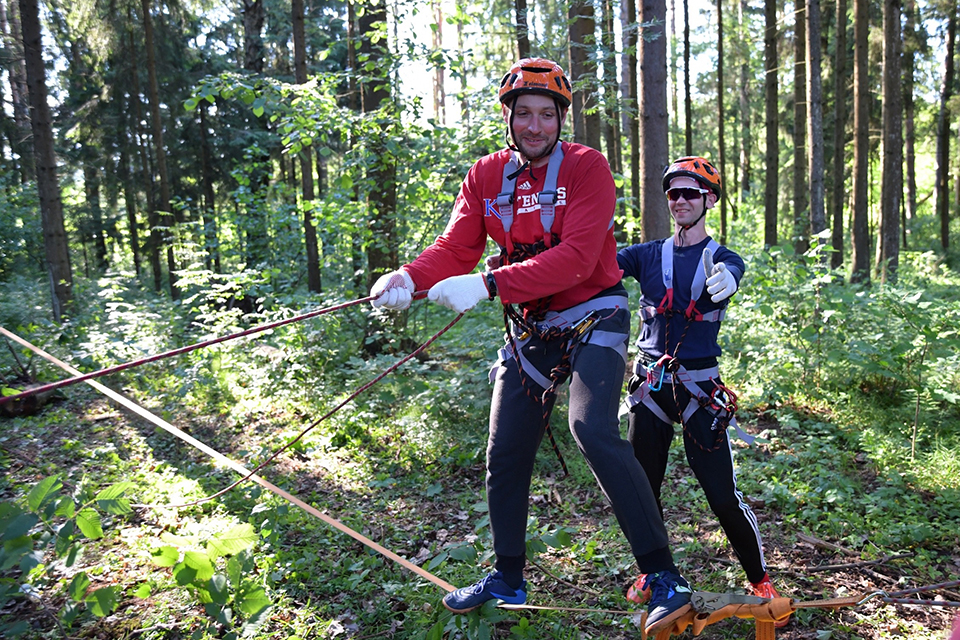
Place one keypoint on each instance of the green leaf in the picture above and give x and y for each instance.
(199, 562)
(78, 587)
(254, 601)
(184, 574)
(18, 526)
(219, 592)
(103, 601)
(232, 542)
(251, 626)
(112, 501)
(88, 521)
(464, 552)
(165, 556)
(43, 491)
(143, 591)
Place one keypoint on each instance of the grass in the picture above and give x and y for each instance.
(403, 465)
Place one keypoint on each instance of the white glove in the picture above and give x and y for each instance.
(460, 293)
(393, 290)
(720, 282)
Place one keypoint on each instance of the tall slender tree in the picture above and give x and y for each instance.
(818, 218)
(801, 197)
(158, 146)
(891, 197)
(746, 133)
(583, 73)
(721, 118)
(771, 124)
(55, 244)
(611, 121)
(653, 120)
(19, 96)
(687, 101)
(306, 158)
(522, 27)
(910, 45)
(631, 104)
(840, 93)
(943, 130)
(860, 245)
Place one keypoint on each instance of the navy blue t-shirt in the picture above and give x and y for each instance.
(643, 263)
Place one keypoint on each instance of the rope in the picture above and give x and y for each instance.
(216, 455)
(176, 352)
(316, 422)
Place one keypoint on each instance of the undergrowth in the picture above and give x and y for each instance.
(851, 390)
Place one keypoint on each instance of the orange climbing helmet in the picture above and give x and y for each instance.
(536, 75)
(700, 169)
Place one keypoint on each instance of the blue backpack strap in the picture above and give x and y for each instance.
(548, 197)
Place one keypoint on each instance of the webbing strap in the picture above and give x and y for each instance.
(547, 198)
(766, 630)
(696, 287)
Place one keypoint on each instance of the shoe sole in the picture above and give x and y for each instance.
(461, 611)
(662, 623)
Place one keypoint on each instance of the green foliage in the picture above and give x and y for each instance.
(222, 575)
(58, 519)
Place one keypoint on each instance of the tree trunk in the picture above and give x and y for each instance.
(746, 134)
(56, 247)
(653, 121)
(891, 183)
(19, 95)
(253, 17)
(943, 134)
(687, 101)
(210, 233)
(818, 218)
(838, 198)
(674, 94)
(860, 249)
(583, 74)
(631, 104)
(721, 120)
(375, 92)
(439, 79)
(353, 101)
(523, 38)
(130, 200)
(611, 127)
(801, 198)
(91, 187)
(306, 158)
(771, 124)
(161, 153)
(910, 43)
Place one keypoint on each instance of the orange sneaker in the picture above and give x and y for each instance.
(765, 589)
(637, 593)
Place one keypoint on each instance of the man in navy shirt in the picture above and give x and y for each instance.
(686, 282)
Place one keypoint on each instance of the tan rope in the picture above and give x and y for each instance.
(239, 468)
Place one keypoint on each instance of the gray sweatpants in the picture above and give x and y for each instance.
(516, 430)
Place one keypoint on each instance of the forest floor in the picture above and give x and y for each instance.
(324, 584)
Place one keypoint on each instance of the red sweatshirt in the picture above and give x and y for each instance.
(583, 264)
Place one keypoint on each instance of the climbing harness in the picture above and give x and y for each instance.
(176, 352)
(721, 401)
(573, 326)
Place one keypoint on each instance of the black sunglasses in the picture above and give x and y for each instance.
(687, 193)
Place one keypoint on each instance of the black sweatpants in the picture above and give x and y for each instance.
(516, 430)
(651, 438)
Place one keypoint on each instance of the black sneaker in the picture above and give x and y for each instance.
(669, 599)
(491, 587)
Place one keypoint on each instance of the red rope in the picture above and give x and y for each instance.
(316, 422)
(176, 352)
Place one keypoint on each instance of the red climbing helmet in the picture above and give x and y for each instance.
(536, 75)
(700, 169)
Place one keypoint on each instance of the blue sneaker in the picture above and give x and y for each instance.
(669, 599)
(492, 587)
